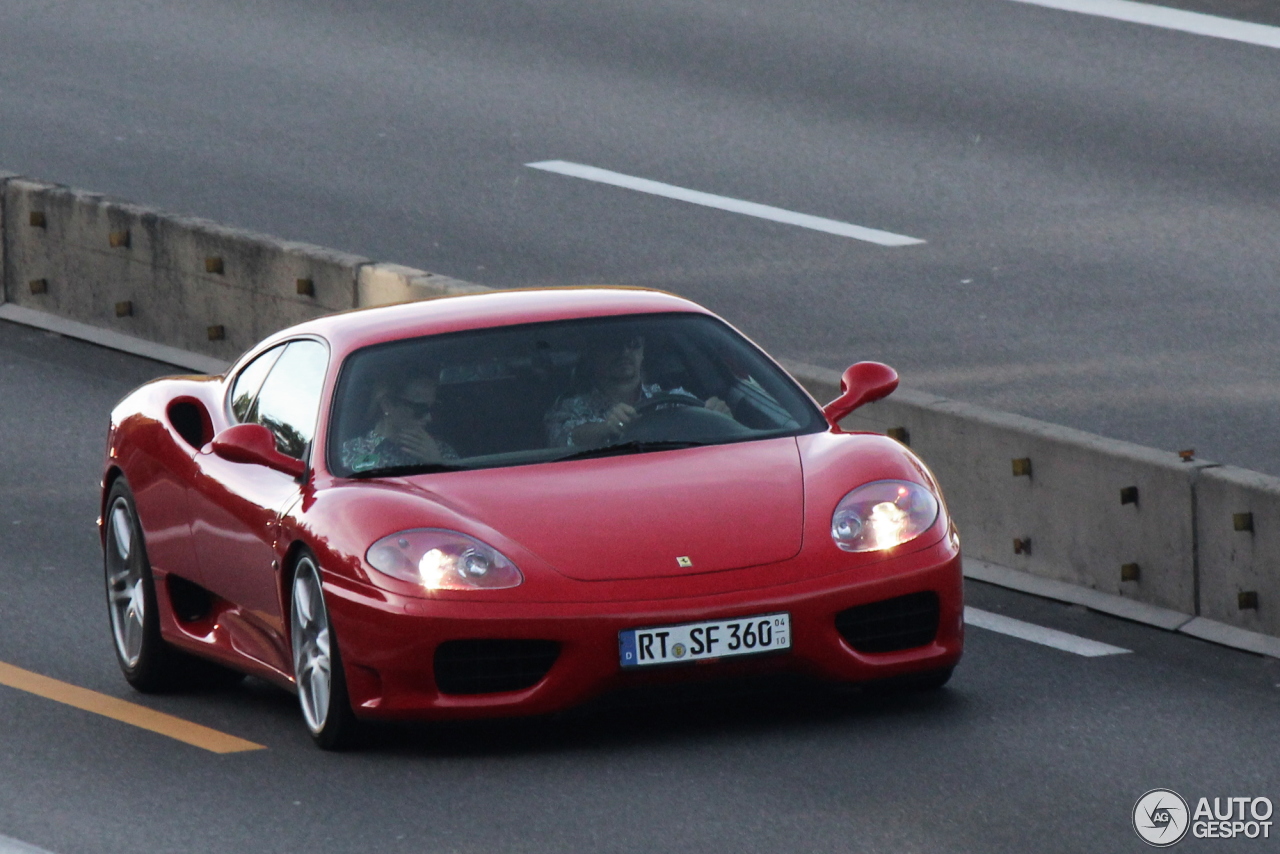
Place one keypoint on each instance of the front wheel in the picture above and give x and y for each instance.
(148, 663)
(317, 665)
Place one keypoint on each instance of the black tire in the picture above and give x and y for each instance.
(148, 663)
(317, 663)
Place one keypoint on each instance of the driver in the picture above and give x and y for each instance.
(614, 371)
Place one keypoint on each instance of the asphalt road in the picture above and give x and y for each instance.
(1098, 199)
(1028, 749)
(1098, 202)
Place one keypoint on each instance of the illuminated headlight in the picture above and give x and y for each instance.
(882, 515)
(440, 559)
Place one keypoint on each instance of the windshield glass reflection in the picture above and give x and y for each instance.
(546, 392)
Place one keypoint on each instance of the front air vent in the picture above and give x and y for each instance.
(492, 666)
(891, 625)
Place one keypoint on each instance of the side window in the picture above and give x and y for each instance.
(290, 398)
(245, 390)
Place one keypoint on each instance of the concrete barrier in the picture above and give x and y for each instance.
(175, 280)
(5, 177)
(384, 284)
(1238, 543)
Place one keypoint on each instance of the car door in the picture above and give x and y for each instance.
(236, 507)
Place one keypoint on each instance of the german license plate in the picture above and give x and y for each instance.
(712, 639)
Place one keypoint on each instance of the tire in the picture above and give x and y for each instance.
(148, 663)
(317, 664)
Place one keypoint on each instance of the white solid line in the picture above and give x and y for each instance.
(724, 203)
(1169, 19)
(1039, 634)
(14, 846)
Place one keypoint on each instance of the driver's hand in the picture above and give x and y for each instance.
(417, 443)
(615, 421)
(715, 404)
(618, 417)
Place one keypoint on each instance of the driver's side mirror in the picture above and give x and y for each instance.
(864, 382)
(253, 443)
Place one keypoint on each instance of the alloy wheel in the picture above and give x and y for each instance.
(312, 661)
(126, 583)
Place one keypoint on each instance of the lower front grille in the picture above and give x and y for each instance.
(491, 666)
(904, 622)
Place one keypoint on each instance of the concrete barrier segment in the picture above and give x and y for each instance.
(5, 177)
(179, 281)
(387, 284)
(1238, 544)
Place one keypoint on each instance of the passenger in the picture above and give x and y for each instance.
(402, 405)
(614, 369)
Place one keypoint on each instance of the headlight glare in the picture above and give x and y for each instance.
(883, 514)
(440, 559)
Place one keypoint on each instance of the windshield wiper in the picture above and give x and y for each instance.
(413, 468)
(634, 447)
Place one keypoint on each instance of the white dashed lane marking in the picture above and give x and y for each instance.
(13, 846)
(724, 203)
(1039, 634)
(1169, 19)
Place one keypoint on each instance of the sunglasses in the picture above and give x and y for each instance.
(419, 408)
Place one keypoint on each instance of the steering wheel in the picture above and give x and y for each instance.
(673, 416)
(665, 399)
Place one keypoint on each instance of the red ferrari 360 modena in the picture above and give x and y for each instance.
(506, 503)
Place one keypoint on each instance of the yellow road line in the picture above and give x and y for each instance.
(120, 710)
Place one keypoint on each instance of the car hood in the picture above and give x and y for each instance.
(652, 515)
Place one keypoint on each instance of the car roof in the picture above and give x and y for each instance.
(351, 330)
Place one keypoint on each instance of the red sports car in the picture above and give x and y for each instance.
(507, 503)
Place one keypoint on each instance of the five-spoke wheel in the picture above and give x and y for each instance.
(148, 663)
(317, 667)
(126, 589)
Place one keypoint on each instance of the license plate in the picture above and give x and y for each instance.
(712, 639)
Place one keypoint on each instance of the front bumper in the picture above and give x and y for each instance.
(389, 643)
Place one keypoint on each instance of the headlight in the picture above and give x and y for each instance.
(882, 515)
(440, 559)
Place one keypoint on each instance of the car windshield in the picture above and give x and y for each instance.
(540, 393)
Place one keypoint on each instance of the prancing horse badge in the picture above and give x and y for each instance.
(684, 561)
